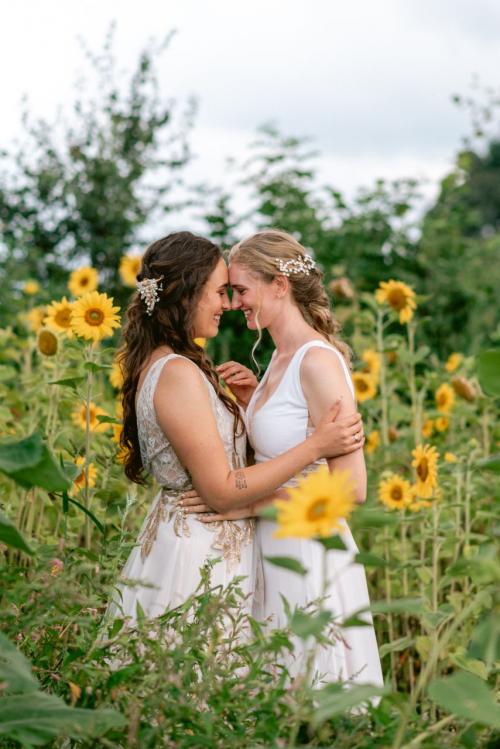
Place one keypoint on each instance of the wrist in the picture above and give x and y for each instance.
(314, 447)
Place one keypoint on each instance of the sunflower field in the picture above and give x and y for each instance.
(69, 518)
(416, 290)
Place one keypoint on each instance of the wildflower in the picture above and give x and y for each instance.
(364, 386)
(453, 362)
(130, 265)
(56, 566)
(428, 428)
(399, 296)
(445, 398)
(80, 418)
(342, 288)
(371, 359)
(83, 280)
(450, 457)
(116, 375)
(47, 343)
(425, 464)
(94, 316)
(59, 317)
(464, 388)
(317, 506)
(34, 318)
(79, 482)
(31, 287)
(442, 423)
(372, 442)
(395, 492)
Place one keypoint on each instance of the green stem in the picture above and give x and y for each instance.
(388, 596)
(384, 422)
(412, 383)
(86, 488)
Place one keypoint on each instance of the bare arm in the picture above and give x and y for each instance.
(323, 381)
(184, 413)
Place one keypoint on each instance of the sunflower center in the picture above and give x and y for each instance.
(94, 316)
(362, 386)
(63, 318)
(84, 281)
(396, 494)
(317, 510)
(397, 299)
(423, 469)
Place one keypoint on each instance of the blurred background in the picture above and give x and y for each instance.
(370, 131)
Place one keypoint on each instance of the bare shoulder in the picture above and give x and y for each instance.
(181, 376)
(319, 362)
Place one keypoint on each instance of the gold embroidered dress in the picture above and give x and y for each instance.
(163, 568)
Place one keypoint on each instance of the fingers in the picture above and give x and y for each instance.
(189, 499)
(213, 517)
(199, 508)
(229, 368)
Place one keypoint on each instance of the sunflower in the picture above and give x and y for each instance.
(117, 432)
(372, 442)
(419, 504)
(47, 343)
(94, 316)
(450, 457)
(464, 388)
(425, 464)
(31, 287)
(59, 317)
(116, 375)
(80, 417)
(442, 423)
(453, 362)
(317, 505)
(79, 482)
(83, 280)
(364, 385)
(445, 398)
(34, 318)
(428, 428)
(130, 265)
(395, 492)
(119, 409)
(399, 296)
(371, 359)
(202, 342)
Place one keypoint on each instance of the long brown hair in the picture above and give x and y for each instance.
(185, 263)
(259, 253)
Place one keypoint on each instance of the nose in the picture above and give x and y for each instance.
(226, 304)
(235, 301)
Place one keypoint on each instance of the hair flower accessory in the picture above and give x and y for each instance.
(303, 264)
(148, 290)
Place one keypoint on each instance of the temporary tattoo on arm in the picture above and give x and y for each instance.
(241, 482)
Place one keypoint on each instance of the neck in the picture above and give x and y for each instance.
(289, 331)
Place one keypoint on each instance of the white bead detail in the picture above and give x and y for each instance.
(303, 265)
(148, 290)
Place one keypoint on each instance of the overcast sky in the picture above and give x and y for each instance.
(370, 80)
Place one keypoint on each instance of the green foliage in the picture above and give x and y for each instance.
(30, 463)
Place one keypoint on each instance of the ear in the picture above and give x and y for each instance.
(281, 285)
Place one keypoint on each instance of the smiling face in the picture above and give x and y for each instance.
(212, 303)
(253, 296)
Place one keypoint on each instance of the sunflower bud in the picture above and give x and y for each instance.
(393, 434)
(47, 343)
(342, 288)
(464, 388)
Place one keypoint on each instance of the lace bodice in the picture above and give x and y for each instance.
(158, 456)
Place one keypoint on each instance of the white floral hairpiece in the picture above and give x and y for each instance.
(303, 264)
(148, 289)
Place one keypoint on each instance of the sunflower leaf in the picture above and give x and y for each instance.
(333, 543)
(288, 563)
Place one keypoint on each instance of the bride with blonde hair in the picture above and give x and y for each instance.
(278, 287)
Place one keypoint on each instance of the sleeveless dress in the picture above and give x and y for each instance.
(280, 424)
(164, 566)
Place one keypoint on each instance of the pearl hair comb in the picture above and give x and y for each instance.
(303, 264)
(148, 290)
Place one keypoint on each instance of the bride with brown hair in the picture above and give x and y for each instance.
(181, 427)
(278, 286)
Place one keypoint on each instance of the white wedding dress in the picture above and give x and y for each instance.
(163, 569)
(277, 426)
